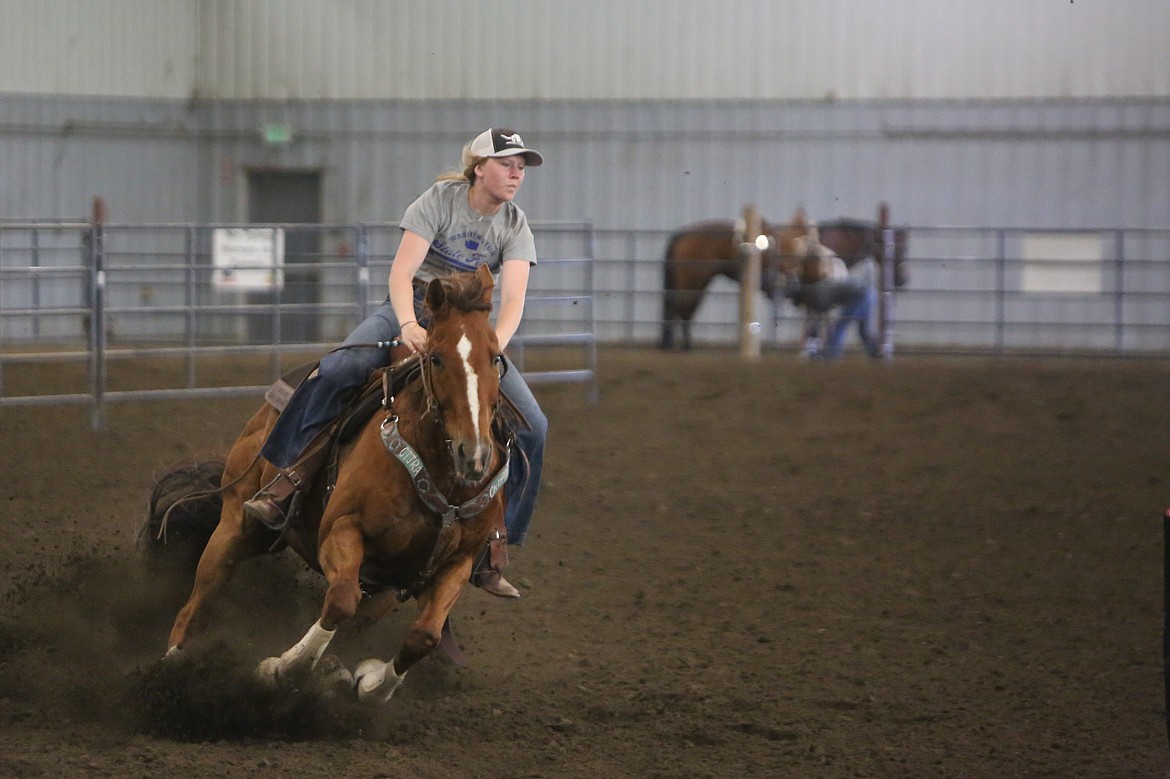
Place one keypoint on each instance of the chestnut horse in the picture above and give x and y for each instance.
(855, 239)
(698, 253)
(418, 489)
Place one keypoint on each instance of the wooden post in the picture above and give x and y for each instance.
(749, 284)
(1166, 613)
(97, 313)
(886, 282)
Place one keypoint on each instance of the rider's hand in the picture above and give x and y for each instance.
(414, 335)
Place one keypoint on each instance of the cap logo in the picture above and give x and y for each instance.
(512, 140)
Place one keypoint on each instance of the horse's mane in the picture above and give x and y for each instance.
(465, 293)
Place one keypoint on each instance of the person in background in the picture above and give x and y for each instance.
(859, 302)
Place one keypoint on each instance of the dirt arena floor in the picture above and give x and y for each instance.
(932, 568)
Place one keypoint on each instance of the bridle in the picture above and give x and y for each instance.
(424, 483)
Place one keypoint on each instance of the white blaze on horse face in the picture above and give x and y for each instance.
(464, 349)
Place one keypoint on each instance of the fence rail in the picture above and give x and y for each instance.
(99, 296)
(971, 290)
(95, 296)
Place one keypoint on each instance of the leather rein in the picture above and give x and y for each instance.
(424, 484)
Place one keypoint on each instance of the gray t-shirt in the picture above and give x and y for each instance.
(461, 239)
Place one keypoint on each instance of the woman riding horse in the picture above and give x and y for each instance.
(463, 221)
(411, 497)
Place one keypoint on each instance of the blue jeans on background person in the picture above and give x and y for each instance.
(321, 399)
(858, 309)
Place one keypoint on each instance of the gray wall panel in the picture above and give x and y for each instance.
(602, 50)
(58, 153)
(133, 48)
(620, 164)
(699, 49)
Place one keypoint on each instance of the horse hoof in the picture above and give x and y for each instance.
(334, 677)
(173, 652)
(368, 676)
(268, 672)
(376, 681)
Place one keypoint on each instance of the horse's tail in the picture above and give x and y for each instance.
(183, 512)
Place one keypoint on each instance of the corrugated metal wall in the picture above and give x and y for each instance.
(698, 49)
(622, 164)
(129, 48)
(57, 153)
(600, 50)
(652, 112)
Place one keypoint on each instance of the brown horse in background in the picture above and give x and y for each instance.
(418, 490)
(697, 253)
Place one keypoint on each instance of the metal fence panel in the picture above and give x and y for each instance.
(91, 295)
(149, 290)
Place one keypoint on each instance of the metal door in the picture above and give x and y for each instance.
(282, 196)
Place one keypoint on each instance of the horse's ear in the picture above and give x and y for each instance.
(484, 275)
(436, 296)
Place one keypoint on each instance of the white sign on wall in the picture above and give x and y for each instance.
(1062, 262)
(247, 258)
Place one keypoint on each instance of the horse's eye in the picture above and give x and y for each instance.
(435, 360)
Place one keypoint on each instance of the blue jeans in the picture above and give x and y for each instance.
(856, 310)
(319, 400)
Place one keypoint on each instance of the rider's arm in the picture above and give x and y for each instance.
(412, 250)
(513, 289)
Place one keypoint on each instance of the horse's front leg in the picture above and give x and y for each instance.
(376, 681)
(341, 556)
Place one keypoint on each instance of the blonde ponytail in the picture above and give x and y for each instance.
(470, 162)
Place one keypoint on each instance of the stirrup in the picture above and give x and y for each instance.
(486, 573)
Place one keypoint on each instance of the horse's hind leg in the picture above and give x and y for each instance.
(667, 341)
(231, 540)
(225, 548)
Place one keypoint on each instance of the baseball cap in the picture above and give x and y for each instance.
(498, 142)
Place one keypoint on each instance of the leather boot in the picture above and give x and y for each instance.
(494, 582)
(270, 505)
(487, 574)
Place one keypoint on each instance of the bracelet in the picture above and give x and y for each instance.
(411, 322)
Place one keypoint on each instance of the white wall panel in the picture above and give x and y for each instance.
(697, 49)
(603, 49)
(133, 48)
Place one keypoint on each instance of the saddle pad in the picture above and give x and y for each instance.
(282, 389)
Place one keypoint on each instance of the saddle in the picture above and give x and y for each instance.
(383, 383)
(401, 363)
